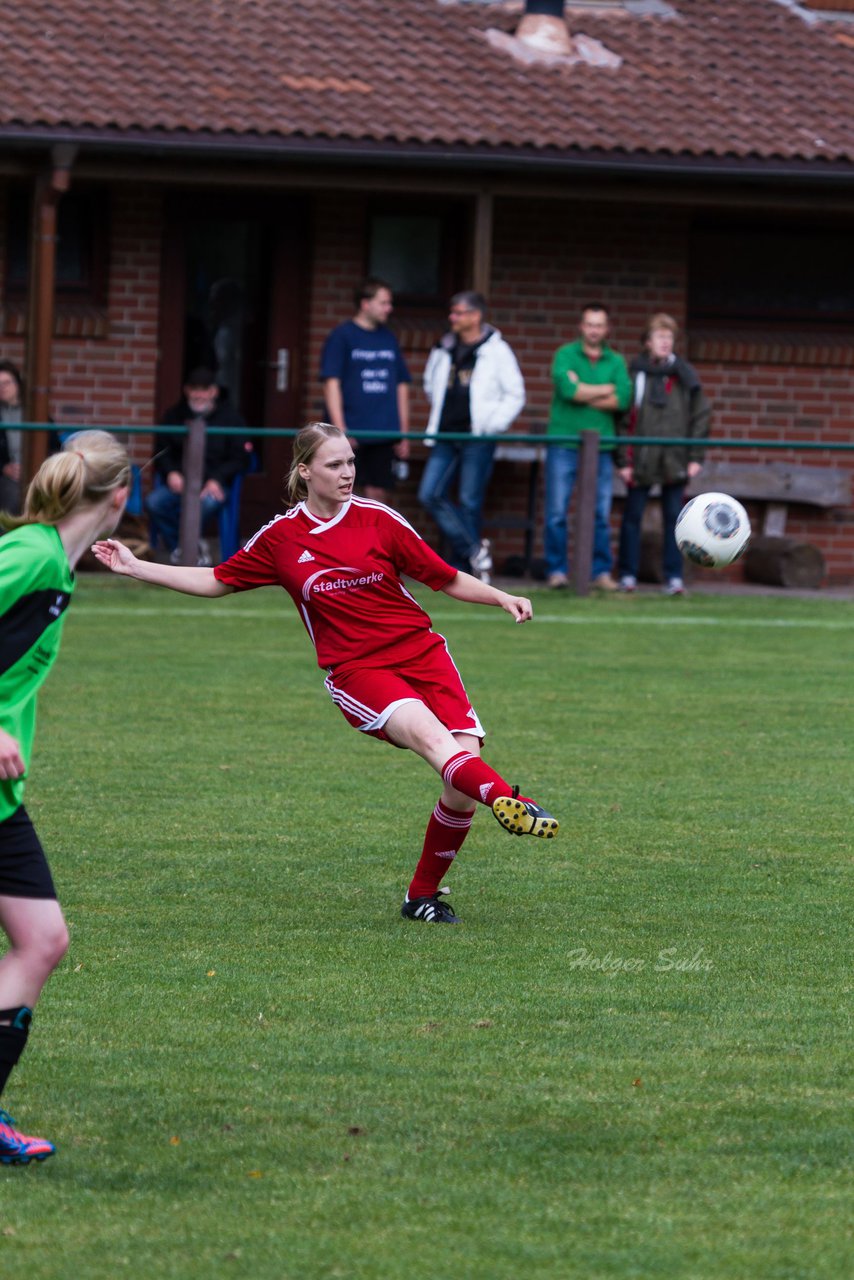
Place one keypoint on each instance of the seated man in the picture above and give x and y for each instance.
(225, 458)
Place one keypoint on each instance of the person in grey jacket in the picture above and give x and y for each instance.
(475, 388)
(668, 400)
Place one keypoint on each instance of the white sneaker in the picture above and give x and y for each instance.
(628, 583)
(481, 561)
(204, 560)
(674, 587)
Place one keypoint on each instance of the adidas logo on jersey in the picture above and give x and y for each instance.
(305, 557)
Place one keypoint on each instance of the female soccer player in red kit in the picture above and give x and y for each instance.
(341, 559)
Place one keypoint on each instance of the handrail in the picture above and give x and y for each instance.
(711, 442)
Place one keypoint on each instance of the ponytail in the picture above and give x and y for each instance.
(306, 444)
(90, 466)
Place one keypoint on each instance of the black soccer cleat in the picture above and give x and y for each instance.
(431, 910)
(524, 818)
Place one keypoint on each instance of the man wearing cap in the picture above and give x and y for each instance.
(225, 458)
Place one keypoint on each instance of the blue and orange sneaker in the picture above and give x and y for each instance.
(17, 1148)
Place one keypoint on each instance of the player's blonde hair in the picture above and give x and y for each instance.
(306, 444)
(90, 465)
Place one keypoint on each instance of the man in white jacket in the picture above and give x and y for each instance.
(475, 388)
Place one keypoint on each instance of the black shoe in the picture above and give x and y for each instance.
(523, 817)
(431, 910)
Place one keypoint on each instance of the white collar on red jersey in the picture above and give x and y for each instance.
(320, 526)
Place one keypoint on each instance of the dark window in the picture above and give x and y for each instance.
(778, 275)
(82, 245)
(418, 251)
(407, 252)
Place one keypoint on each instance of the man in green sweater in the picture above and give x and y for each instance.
(591, 387)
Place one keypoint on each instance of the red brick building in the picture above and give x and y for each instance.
(225, 173)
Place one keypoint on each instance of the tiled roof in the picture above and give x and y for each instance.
(733, 79)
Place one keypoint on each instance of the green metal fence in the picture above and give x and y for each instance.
(589, 443)
(255, 433)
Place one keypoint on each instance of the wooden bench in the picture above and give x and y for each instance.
(772, 557)
(777, 484)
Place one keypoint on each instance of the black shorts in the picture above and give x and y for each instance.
(24, 872)
(373, 465)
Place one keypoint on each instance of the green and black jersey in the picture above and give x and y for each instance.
(36, 583)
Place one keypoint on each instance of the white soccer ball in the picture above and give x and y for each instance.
(712, 530)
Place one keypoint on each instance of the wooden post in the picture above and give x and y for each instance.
(191, 501)
(482, 248)
(40, 304)
(585, 511)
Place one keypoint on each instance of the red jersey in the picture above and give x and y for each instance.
(344, 576)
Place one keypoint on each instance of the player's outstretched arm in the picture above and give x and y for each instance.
(192, 582)
(473, 591)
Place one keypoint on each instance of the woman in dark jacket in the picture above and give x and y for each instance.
(11, 413)
(668, 400)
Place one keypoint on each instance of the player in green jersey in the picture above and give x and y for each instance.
(77, 495)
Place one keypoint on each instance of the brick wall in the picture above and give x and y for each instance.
(109, 380)
(339, 232)
(113, 380)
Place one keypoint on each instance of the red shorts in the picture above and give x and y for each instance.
(367, 696)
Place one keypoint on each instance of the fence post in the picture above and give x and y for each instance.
(191, 501)
(585, 511)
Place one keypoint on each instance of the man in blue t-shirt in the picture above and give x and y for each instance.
(366, 387)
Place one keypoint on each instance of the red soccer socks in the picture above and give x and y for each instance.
(446, 831)
(472, 776)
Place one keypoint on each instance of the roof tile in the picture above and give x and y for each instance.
(747, 78)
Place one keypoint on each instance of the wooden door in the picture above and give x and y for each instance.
(232, 300)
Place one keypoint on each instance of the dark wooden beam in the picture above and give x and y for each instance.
(49, 188)
(569, 187)
(191, 500)
(481, 274)
(585, 511)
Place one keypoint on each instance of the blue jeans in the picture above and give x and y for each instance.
(672, 498)
(561, 473)
(164, 507)
(470, 463)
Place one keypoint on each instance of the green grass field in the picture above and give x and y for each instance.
(628, 1061)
